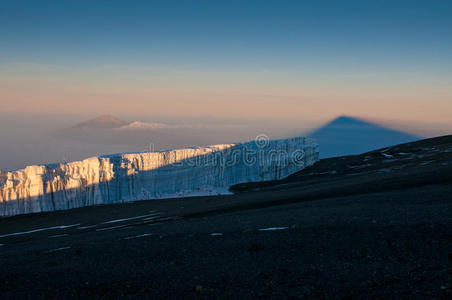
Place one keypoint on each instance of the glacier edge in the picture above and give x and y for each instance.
(116, 178)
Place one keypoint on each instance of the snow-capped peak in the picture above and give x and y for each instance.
(138, 125)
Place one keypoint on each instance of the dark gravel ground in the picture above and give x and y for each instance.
(340, 230)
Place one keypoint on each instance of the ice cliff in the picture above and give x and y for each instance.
(151, 175)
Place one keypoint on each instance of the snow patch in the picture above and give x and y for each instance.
(127, 219)
(387, 155)
(58, 249)
(86, 227)
(151, 218)
(138, 236)
(58, 235)
(111, 228)
(273, 228)
(404, 154)
(38, 230)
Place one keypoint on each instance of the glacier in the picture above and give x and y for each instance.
(124, 177)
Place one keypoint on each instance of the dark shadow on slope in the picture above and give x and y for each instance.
(413, 164)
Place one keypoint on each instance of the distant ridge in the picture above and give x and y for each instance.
(348, 136)
(103, 121)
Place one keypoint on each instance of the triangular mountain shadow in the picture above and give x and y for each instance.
(348, 136)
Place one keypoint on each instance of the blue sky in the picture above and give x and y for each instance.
(275, 33)
(276, 48)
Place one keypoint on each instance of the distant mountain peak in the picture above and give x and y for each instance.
(138, 125)
(102, 121)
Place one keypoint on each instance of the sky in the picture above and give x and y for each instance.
(269, 60)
